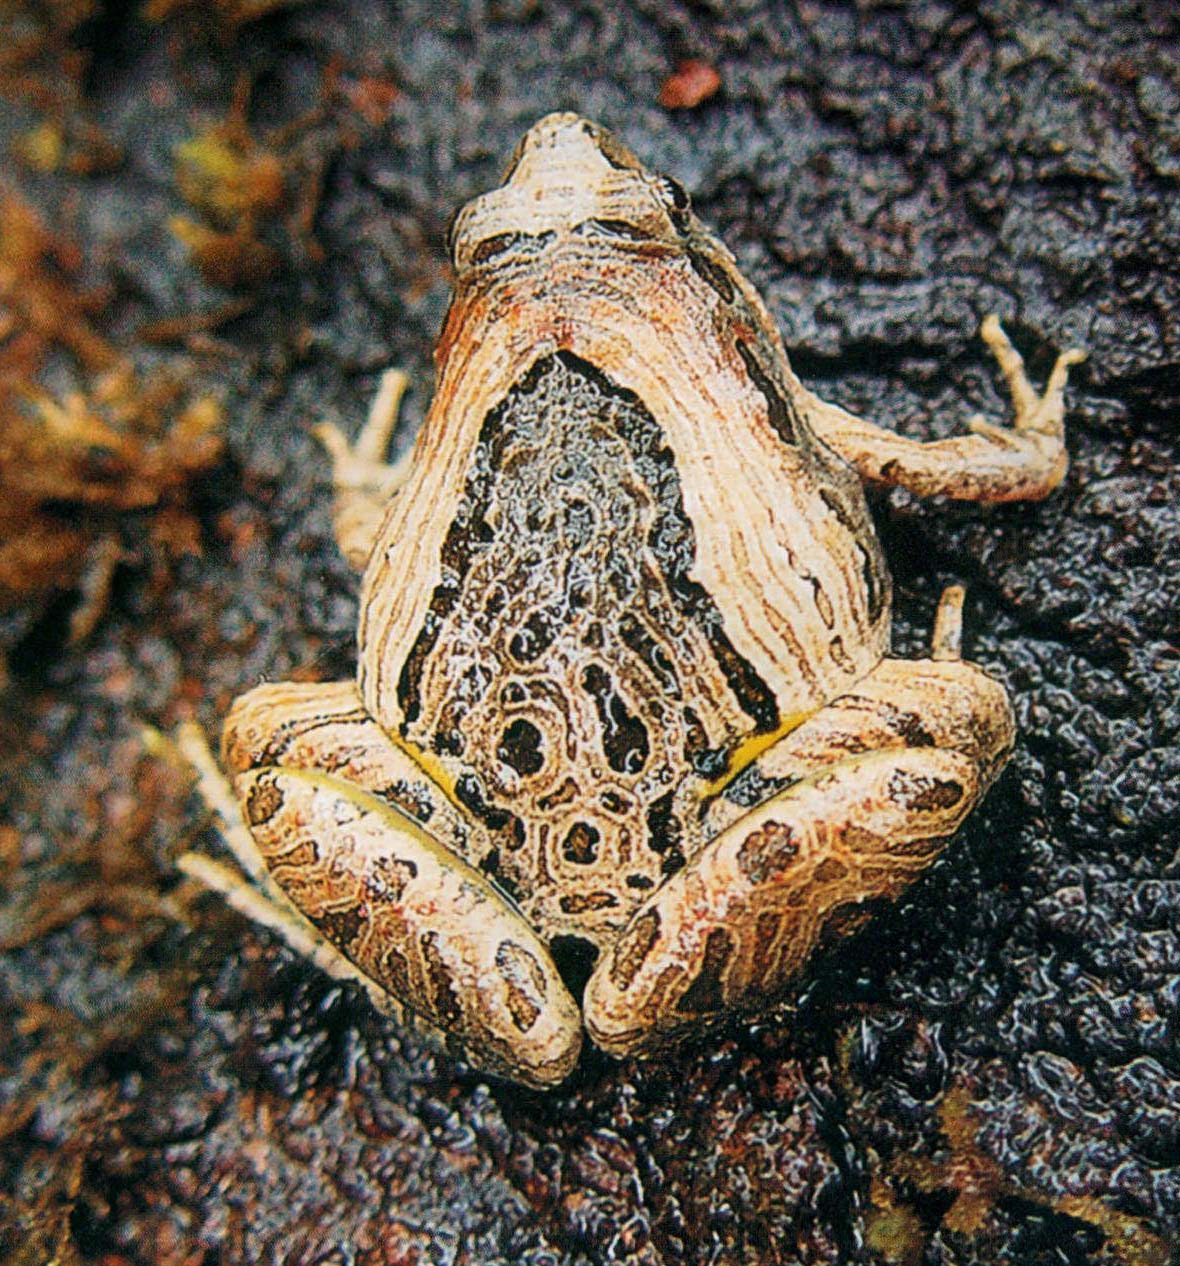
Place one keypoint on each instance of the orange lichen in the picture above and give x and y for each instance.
(893, 1231)
(42, 147)
(691, 83)
(72, 144)
(225, 174)
(1131, 1243)
(72, 463)
(371, 97)
(41, 65)
(978, 1182)
(964, 1168)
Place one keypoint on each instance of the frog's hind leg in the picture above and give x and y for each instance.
(251, 891)
(858, 801)
(994, 463)
(362, 479)
(360, 853)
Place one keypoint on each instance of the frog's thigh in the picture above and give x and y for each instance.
(875, 801)
(329, 801)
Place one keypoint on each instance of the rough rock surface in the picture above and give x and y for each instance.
(990, 1072)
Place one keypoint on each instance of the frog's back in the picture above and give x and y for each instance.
(622, 562)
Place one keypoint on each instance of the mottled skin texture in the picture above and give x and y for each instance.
(623, 670)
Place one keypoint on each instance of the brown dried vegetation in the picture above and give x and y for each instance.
(689, 85)
(248, 190)
(60, 1111)
(71, 465)
(40, 65)
(235, 183)
(977, 1183)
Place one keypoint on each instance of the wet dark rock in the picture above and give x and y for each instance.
(989, 1072)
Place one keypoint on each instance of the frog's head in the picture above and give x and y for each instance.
(568, 175)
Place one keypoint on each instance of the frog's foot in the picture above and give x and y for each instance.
(865, 795)
(363, 480)
(334, 832)
(1040, 419)
(1024, 462)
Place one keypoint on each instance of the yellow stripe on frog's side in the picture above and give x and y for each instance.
(366, 801)
(748, 751)
(743, 755)
(432, 768)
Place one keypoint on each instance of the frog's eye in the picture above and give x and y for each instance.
(676, 193)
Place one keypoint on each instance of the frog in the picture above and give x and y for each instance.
(624, 693)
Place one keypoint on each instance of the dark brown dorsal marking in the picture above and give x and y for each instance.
(633, 948)
(572, 515)
(581, 844)
(624, 738)
(501, 243)
(711, 273)
(872, 564)
(520, 747)
(779, 410)
(263, 800)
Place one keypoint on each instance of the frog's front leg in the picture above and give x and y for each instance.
(362, 480)
(861, 799)
(994, 463)
(363, 844)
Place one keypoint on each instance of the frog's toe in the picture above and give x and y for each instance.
(1037, 412)
(363, 480)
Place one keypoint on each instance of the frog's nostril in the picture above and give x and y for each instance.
(575, 958)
